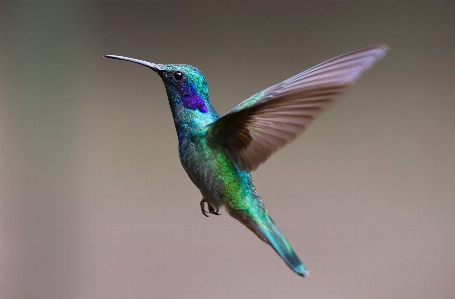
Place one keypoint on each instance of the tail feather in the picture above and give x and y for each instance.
(276, 239)
(264, 227)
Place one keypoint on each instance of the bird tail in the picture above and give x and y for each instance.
(276, 239)
(268, 232)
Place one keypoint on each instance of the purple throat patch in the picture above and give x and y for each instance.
(194, 102)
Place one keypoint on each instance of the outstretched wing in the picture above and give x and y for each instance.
(256, 128)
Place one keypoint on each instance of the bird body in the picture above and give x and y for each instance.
(218, 153)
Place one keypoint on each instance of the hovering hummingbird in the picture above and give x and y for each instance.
(218, 153)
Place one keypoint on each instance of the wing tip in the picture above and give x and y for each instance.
(384, 47)
(375, 53)
(379, 50)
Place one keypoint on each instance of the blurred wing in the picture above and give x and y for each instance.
(256, 128)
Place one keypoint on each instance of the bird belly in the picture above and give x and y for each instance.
(211, 170)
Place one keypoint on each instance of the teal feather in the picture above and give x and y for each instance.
(218, 153)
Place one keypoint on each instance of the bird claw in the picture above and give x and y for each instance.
(211, 209)
(202, 207)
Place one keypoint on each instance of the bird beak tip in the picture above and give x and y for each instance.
(153, 66)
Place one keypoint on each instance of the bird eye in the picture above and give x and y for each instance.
(178, 76)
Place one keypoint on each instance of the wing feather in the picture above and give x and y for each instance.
(256, 128)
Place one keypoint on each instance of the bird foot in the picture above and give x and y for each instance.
(211, 210)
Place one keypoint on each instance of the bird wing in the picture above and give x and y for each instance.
(256, 128)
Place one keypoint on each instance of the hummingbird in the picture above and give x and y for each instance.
(219, 153)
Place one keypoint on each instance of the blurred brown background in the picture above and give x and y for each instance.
(94, 202)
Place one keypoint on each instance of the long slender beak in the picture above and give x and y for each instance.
(153, 66)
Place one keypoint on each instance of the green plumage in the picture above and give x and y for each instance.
(218, 153)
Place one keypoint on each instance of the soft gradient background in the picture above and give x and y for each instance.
(95, 204)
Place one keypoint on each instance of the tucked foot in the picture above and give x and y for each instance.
(202, 207)
(211, 210)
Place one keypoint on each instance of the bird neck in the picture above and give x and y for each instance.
(187, 121)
